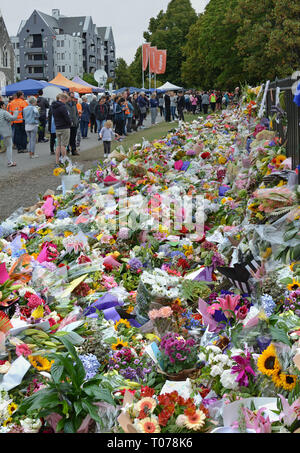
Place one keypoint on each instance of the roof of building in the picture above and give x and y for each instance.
(49, 20)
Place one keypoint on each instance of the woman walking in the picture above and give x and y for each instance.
(6, 131)
(31, 117)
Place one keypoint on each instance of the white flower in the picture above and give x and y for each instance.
(216, 370)
(228, 380)
(214, 349)
(31, 425)
(202, 357)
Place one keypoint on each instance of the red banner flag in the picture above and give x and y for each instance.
(146, 52)
(161, 61)
(152, 60)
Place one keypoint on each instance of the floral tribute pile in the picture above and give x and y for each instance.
(111, 321)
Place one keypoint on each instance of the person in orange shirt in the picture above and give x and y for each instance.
(20, 136)
(79, 109)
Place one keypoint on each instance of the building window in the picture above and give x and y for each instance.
(62, 56)
(38, 70)
(57, 43)
(70, 69)
(62, 69)
(58, 68)
(62, 43)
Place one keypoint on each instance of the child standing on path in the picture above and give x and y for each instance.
(106, 135)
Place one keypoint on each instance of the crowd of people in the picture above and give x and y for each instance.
(70, 117)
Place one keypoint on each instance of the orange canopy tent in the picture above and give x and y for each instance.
(61, 80)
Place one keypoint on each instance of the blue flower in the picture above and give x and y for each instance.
(90, 364)
(62, 214)
(268, 304)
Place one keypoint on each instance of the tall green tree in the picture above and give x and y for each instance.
(211, 59)
(168, 31)
(268, 37)
(123, 77)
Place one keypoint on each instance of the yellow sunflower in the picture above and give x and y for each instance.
(293, 286)
(288, 381)
(267, 362)
(40, 363)
(122, 322)
(7, 422)
(119, 345)
(276, 378)
(12, 407)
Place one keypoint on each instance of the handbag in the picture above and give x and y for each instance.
(143, 109)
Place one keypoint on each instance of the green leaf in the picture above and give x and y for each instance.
(77, 407)
(44, 398)
(69, 427)
(60, 425)
(91, 409)
(56, 372)
(279, 335)
(100, 394)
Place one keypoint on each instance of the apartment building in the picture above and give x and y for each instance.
(51, 44)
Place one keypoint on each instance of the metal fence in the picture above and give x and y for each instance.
(288, 122)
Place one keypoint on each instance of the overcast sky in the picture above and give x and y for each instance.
(128, 18)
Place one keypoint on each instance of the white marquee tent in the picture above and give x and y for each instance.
(169, 86)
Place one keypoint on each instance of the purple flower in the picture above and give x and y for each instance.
(135, 264)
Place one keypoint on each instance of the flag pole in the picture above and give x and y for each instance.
(143, 66)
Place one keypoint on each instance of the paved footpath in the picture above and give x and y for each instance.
(22, 185)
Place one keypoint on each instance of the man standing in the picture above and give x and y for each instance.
(20, 135)
(205, 102)
(167, 107)
(213, 101)
(180, 105)
(43, 104)
(101, 113)
(74, 117)
(62, 124)
(93, 105)
(141, 100)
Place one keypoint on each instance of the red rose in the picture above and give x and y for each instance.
(163, 417)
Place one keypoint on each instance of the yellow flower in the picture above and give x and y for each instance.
(7, 421)
(267, 253)
(111, 191)
(122, 322)
(288, 381)
(222, 160)
(12, 407)
(276, 378)
(58, 171)
(40, 363)
(38, 312)
(267, 362)
(293, 286)
(119, 345)
(76, 170)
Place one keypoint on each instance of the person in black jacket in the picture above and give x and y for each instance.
(101, 113)
(62, 124)
(93, 105)
(43, 104)
(167, 107)
(180, 105)
(74, 117)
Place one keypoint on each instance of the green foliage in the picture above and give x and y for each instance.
(238, 41)
(89, 78)
(123, 77)
(193, 290)
(169, 31)
(67, 393)
(211, 61)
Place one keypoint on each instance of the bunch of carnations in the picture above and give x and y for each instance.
(162, 319)
(177, 353)
(168, 413)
